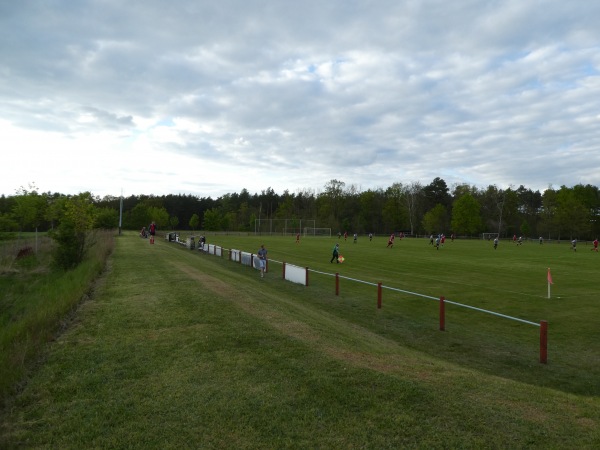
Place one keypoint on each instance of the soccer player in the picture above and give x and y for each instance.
(495, 243)
(355, 237)
(297, 238)
(370, 237)
(595, 245)
(574, 245)
(391, 241)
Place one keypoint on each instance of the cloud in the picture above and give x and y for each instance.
(209, 98)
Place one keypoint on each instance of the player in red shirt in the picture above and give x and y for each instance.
(391, 241)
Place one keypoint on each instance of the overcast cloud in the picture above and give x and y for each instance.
(207, 98)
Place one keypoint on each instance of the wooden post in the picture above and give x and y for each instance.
(337, 283)
(378, 295)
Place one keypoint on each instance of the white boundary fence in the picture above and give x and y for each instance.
(212, 249)
(300, 275)
(295, 274)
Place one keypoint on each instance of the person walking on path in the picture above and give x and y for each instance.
(262, 260)
(152, 232)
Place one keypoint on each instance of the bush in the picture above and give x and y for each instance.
(70, 248)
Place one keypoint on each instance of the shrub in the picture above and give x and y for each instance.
(70, 248)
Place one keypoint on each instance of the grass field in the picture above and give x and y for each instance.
(511, 280)
(185, 350)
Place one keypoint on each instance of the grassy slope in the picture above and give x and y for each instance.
(187, 350)
(35, 301)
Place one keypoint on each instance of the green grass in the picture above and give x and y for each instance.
(184, 350)
(511, 281)
(36, 301)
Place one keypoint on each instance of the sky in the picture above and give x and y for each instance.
(207, 98)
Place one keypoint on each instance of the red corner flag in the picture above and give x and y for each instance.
(549, 277)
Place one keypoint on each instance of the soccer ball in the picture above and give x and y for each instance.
(341, 258)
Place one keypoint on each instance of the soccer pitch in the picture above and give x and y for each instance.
(510, 280)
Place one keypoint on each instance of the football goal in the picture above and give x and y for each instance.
(281, 226)
(489, 236)
(312, 231)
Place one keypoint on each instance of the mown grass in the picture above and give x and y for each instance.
(511, 281)
(184, 350)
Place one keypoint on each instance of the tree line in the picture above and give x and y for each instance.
(413, 208)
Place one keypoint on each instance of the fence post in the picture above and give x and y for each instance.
(442, 314)
(337, 283)
(378, 295)
(543, 341)
(306, 277)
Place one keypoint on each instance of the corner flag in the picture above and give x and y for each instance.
(549, 281)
